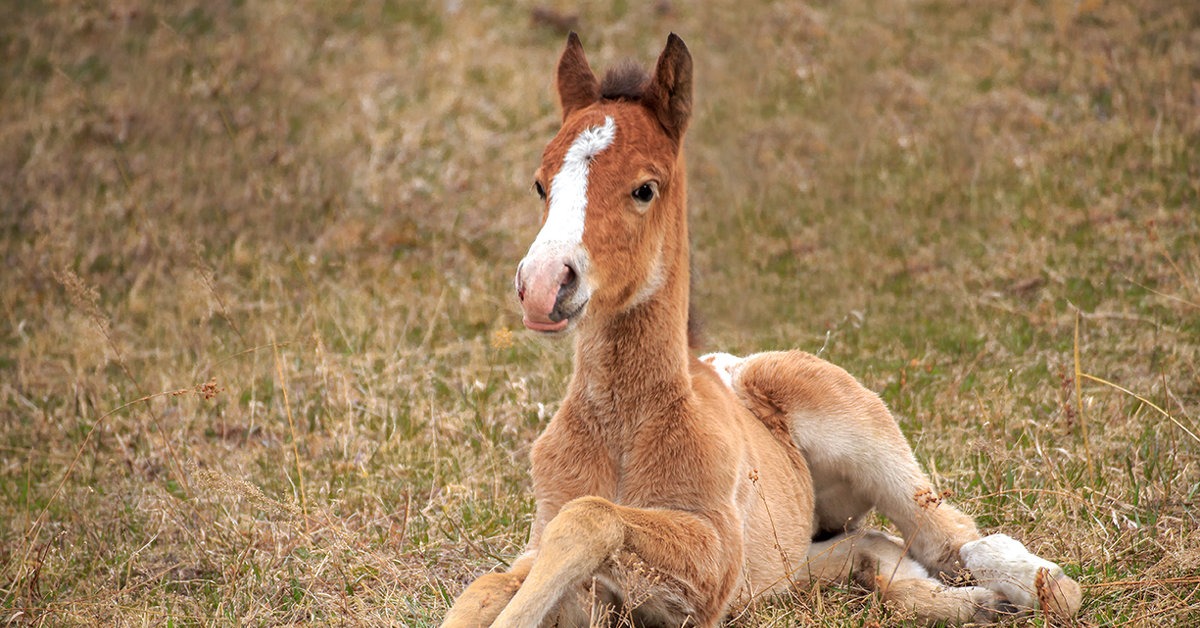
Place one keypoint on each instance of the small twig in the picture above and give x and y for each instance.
(84, 297)
(207, 275)
(825, 345)
(467, 538)
(787, 565)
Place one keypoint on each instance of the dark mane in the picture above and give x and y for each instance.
(627, 81)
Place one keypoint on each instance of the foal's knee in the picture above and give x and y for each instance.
(589, 523)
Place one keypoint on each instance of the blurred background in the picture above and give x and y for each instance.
(261, 362)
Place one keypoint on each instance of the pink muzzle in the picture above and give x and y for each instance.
(545, 285)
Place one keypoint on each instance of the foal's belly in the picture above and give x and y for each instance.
(777, 494)
(839, 505)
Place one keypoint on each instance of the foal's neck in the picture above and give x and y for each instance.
(632, 365)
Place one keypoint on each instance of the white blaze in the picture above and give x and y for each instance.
(568, 190)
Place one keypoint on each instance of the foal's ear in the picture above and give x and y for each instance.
(577, 86)
(669, 95)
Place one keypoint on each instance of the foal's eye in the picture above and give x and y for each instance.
(645, 193)
(541, 191)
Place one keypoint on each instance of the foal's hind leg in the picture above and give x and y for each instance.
(878, 562)
(859, 459)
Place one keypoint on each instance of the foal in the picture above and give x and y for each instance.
(670, 488)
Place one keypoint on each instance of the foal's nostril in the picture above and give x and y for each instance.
(567, 283)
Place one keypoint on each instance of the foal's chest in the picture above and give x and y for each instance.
(652, 468)
(567, 464)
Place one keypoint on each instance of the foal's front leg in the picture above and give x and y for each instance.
(482, 601)
(682, 548)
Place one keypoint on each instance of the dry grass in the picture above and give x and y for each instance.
(259, 357)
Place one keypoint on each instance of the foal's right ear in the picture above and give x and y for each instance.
(577, 86)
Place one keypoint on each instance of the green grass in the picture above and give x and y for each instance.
(319, 207)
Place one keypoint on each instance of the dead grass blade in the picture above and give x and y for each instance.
(1083, 424)
(287, 406)
(1146, 401)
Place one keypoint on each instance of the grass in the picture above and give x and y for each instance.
(260, 363)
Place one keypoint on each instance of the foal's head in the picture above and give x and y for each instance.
(612, 184)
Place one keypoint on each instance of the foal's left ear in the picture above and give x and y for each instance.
(670, 92)
(577, 85)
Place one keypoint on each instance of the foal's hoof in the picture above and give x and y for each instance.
(1059, 595)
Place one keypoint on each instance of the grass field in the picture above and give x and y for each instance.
(260, 361)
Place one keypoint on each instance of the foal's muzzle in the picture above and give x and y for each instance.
(549, 286)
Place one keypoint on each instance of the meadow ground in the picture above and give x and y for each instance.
(260, 361)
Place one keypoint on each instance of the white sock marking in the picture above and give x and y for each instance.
(1002, 564)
